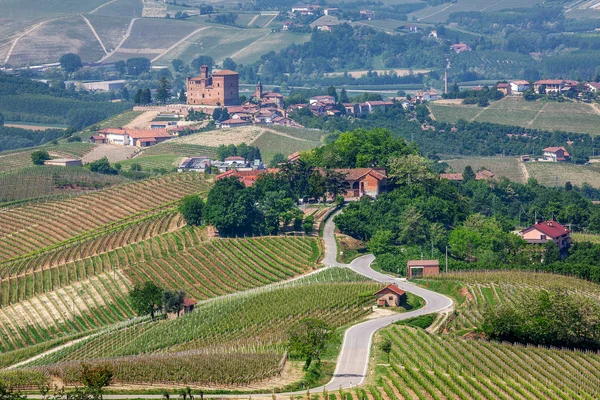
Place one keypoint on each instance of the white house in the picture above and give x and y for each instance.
(519, 86)
(592, 87)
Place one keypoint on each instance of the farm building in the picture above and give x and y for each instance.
(519, 86)
(188, 305)
(267, 97)
(64, 162)
(421, 268)
(194, 164)
(97, 139)
(505, 88)
(460, 47)
(221, 88)
(233, 122)
(390, 296)
(546, 231)
(549, 85)
(556, 154)
(134, 137)
(103, 86)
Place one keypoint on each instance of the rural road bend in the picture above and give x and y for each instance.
(353, 361)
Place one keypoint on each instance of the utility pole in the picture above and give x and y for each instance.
(446, 259)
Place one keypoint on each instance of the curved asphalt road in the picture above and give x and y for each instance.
(353, 361)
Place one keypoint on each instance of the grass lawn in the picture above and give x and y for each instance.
(270, 143)
(452, 113)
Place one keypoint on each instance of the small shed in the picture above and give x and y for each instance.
(390, 296)
(64, 162)
(188, 305)
(420, 268)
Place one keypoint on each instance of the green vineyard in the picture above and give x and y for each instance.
(32, 228)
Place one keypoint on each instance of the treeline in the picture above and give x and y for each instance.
(344, 48)
(537, 19)
(16, 138)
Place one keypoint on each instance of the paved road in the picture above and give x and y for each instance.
(353, 361)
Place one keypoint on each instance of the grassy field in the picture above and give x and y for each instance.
(150, 163)
(567, 116)
(547, 173)
(270, 143)
(441, 12)
(501, 166)
(110, 28)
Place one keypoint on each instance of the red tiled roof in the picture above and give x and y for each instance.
(549, 82)
(551, 229)
(595, 85)
(555, 149)
(353, 174)
(235, 158)
(520, 82)
(188, 302)
(97, 137)
(224, 72)
(234, 122)
(503, 85)
(423, 263)
(147, 133)
(452, 177)
(113, 131)
(391, 288)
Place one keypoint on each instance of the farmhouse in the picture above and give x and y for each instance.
(546, 231)
(421, 268)
(519, 86)
(592, 87)
(556, 154)
(233, 122)
(427, 96)
(97, 139)
(134, 137)
(195, 164)
(64, 162)
(222, 88)
(549, 85)
(390, 296)
(322, 99)
(460, 47)
(505, 88)
(369, 14)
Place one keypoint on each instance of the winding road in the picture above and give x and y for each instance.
(353, 360)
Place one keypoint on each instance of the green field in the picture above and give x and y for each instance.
(501, 166)
(441, 12)
(566, 116)
(270, 143)
(150, 163)
(547, 173)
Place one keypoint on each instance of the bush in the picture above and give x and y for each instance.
(192, 210)
(39, 156)
(423, 321)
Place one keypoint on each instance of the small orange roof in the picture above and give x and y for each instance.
(147, 133)
(391, 288)
(423, 263)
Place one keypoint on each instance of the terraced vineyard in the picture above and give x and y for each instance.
(452, 366)
(180, 149)
(252, 323)
(33, 228)
(86, 305)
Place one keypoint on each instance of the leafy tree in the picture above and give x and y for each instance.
(551, 252)
(146, 97)
(332, 92)
(163, 92)
(200, 61)
(39, 156)
(231, 208)
(121, 67)
(228, 63)
(135, 167)
(216, 116)
(146, 298)
(182, 96)
(411, 168)
(334, 182)
(1, 119)
(468, 174)
(96, 377)
(382, 242)
(192, 210)
(137, 65)
(308, 224)
(137, 99)
(386, 347)
(70, 62)
(178, 65)
(102, 166)
(125, 94)
(343, 96)
(308, 340)
(173, 301)
(278, 158)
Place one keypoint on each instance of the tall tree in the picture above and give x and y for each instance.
(163, 91)
(70, 62)
(228, 63)
(334, 182)
(146, 298)
(182, 96)
(173, 301)
(125, 94)
(332, 92)
(39, 156)
(192, 210)
(137, 65)
(344, 96)
(146, 97)
(468, 174)
(177, 64)
(137, 99)
(308, 340)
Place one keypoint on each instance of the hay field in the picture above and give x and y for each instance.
(243, 134)
(501, 166)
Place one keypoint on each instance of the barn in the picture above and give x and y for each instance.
(420, 268)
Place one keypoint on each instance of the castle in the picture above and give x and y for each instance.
(222, 88)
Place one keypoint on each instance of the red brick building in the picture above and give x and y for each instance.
(390, 296)
(421, 268)
(222, 88)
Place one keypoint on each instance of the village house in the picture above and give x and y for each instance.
(369, 14)
(266, 98)
(221, 88)
(390, 296)
(234, 122)
(133, 137)
(433, 34)
(460, 47)
(287, 26)
(325, 23)
(427, 96)
(322, 99)
(331, 11)
(549, 85)
(505, 88)
(556, 154)
(592, 87)
(421, 268)
(546, 231)
(519, 86)
(306, 9)
(97, 139)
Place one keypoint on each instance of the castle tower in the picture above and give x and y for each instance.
(259, 91)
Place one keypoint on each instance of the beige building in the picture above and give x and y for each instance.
(221, 88)
(546, 231)
(390, 296)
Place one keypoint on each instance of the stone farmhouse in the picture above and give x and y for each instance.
(131, 137)
(221, 88)
(546, 231)
(390, 296)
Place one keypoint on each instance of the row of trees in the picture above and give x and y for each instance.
(149, 298)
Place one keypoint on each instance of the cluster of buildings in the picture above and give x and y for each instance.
(131, 137)
(233, 163)
(520, 86)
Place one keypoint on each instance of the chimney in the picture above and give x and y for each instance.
(204, 71)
